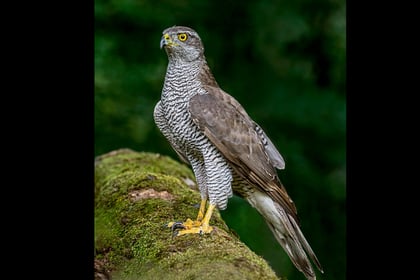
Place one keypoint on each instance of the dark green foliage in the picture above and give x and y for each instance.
(284, 61)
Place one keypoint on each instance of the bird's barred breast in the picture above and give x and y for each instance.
(180, 85)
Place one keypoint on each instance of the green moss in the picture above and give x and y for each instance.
(192, 255)
(131, 232)
(124, 170)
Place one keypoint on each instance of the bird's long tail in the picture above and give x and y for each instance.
(287, 232)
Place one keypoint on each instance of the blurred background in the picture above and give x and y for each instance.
(284, 61)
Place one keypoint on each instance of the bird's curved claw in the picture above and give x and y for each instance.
(176, 226)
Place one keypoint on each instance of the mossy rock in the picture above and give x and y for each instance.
(136, 195)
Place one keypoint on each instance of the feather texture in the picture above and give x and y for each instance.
(228, 151)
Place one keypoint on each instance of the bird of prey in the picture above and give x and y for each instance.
(229, 153)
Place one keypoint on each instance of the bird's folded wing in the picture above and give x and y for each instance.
(233, 132)
(274, 155)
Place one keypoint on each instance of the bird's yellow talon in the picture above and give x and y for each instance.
(197, 230)
(200, 226)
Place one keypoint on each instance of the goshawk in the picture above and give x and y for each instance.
(228, 152)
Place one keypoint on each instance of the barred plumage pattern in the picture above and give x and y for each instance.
(213, 174)
(227, 150)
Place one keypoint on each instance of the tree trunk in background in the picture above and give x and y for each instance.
(136, 195)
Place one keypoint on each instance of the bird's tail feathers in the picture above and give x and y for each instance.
(306, 245)
(287, 233)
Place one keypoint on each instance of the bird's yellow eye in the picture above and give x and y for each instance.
(182, 37)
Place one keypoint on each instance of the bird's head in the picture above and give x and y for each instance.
(182, 44)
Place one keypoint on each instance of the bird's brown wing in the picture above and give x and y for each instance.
(224, 121)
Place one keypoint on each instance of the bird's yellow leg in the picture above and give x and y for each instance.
(203, 226)
(200, 215)
(190, 223)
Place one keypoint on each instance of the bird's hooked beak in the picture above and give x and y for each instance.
(167, 41)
